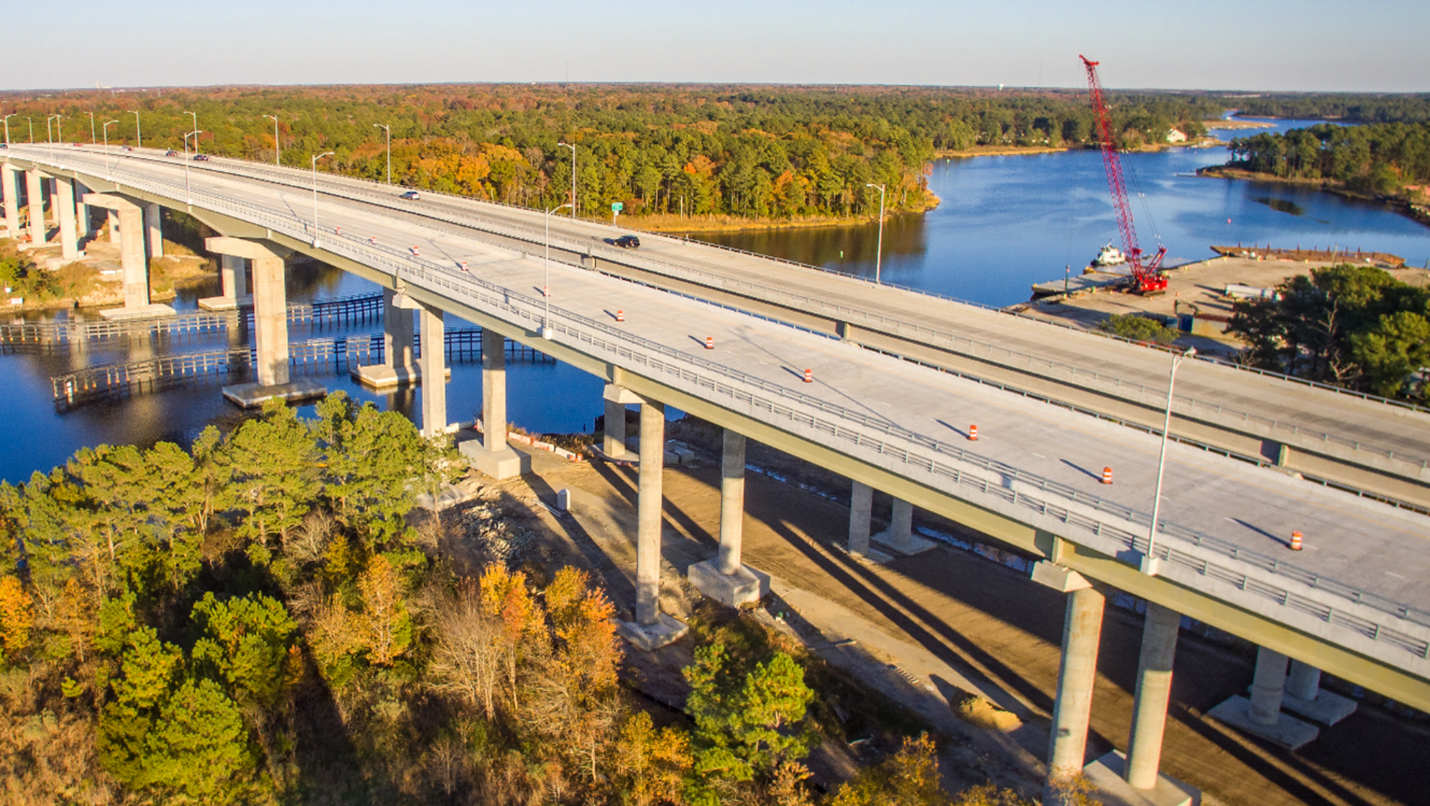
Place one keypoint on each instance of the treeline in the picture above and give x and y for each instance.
(751, 152)
(263, 619)
(1350, 326)
(1380, 158)
(1349, 107)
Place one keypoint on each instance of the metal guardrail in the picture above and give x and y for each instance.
(1189, 404)
(339, 311)
(787, 404)
(107, 381)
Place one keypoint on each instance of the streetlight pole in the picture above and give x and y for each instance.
(573, 176)
(546, 283)
(317, 157)
(92, 138)
(32, 129)
(196, 130)
(139, 133)
(277, 150)
(386, 128)
(1149, 560)
(107, 174)
(879, 255)
(7, 126)
(188, 192)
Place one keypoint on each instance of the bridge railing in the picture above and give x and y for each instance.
(1181, 545)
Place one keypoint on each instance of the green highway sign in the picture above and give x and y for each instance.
(616, 207)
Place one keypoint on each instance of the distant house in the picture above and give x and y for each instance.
(1176, 136)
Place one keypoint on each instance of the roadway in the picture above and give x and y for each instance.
(1024, 444)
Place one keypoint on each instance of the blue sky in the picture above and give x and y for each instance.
(1371, 45)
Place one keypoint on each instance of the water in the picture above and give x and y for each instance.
(1004, 224)
(1008, 222)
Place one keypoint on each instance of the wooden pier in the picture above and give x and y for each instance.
(60, 335)
(310, 357)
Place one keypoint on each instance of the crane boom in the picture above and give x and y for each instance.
(1145, 278)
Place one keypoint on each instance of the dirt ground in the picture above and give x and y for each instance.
(932, 631)
(1192, 288)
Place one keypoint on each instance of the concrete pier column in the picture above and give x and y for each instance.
(234, 274)
(613, 443)
(651, 629)
(131, 253)
(861, 505)
(83, 227)
(64, 210)
(270, 324)
(35, 197)
(1268, 687)
(10, 186)
(1082, 630)
(434, 372)
(732, 501)
(112, 224)
(1304, 681)
(726, 579)
(648, 512)
(493, 391)
(396, 333)
(1154, 690)
(492, 455)
(154, 230)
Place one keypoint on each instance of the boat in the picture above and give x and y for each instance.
(1109, 256)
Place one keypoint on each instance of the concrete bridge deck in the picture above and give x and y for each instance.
(1352, 599)
(1360, 442)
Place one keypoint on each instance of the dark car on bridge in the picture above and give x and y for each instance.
(201, 158)
(171, 153)
(628, 242)
(411, 195)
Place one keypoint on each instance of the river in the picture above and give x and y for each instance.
(1004, 224)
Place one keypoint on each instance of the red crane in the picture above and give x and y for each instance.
(1148, 278)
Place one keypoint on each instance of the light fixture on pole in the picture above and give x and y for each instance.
(139, 133)
(188, 193)
(387, 129)
(573, 176)
(546, 283)
(879, 253)
(316, 157)
(277, 150)
(7, 126)
(107, 174)
(1149, 560)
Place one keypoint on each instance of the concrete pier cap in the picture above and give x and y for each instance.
(240, 247)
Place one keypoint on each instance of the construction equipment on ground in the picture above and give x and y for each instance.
(1147, 277)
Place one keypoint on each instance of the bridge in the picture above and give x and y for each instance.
(882, 385)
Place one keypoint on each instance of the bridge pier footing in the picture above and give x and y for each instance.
(492, 456)
(726, 579)
(270, 325)
(1260, 714)
(398, 367)
(1305, 697)
(1134, 778)
(899, 537)
(651, 629)
(137, 303)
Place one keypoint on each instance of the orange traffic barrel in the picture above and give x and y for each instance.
(372, 241)
(709, 342)
(415, 252)
(620, 316)
(809, 376)
(1295, 541)
(973, 433)
(1107, 475)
